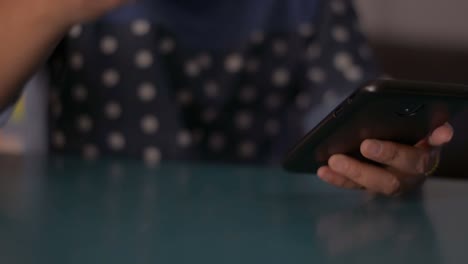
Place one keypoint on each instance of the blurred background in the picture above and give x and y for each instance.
(413, 39)
(417, 39)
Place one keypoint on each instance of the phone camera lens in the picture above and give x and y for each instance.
(410, 109)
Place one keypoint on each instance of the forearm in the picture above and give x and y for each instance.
(26, 40)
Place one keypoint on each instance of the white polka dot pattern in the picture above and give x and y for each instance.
(152, 156)
(109, 45)
(353, 74)
(280, 77)
(167, 45)
(280, 48)
(225, 103)
(233, 63)
(340, 34)
(147, 92)
(75, 31)
(149, 124)
(58, 139)
(243, 120)
(140, 27)
(76, 61)
(113, 110)
(257, 37)
(338, 7)
(85, 124)
(143, 59)
(184, 139)
(110, 78)
(306, 30)
(116, 141)
(343, 60)
(192, 69)
(247, 149)
(316, 75)
(79, 93)
(184, 97)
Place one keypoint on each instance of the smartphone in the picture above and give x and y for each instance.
(395, 110)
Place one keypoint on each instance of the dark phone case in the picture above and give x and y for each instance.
(377, 111)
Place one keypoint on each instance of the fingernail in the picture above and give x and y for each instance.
(338, 164)
(373, 147)
(322, 176)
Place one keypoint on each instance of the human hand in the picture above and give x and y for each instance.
(403, 167)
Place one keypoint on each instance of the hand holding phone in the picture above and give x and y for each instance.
(402, 123)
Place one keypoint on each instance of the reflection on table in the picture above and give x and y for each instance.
(63, 210)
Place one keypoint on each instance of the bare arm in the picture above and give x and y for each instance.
(30, 30)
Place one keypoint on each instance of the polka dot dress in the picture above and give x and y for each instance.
(135, 90)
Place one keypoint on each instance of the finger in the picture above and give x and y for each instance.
(333, 178)
(406, 159)
(441, 135)
(372, 178)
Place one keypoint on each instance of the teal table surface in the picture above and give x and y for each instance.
(63, 210)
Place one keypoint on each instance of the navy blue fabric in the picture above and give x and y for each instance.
(231, 87)
(220, 24)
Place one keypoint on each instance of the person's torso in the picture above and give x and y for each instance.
(217, 80)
